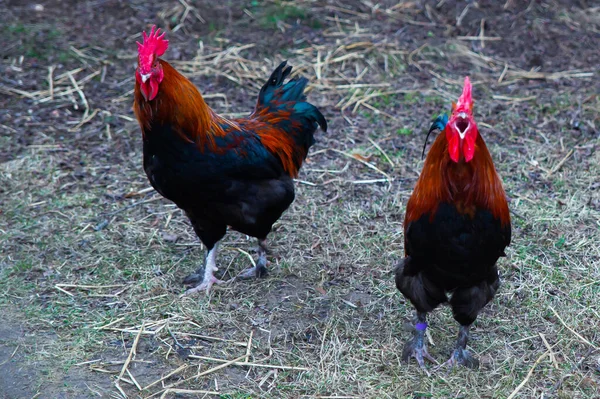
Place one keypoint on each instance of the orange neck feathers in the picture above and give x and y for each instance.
(180, 104)
(468, 185)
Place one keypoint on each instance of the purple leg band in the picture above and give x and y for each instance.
(421, 326)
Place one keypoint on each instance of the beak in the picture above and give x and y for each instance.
(145, 77)
(462, 125)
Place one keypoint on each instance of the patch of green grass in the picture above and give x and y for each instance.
(38, 41)
(383, 102)
(435, 100)
(280, 11)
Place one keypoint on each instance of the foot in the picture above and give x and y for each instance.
(461, 357)
(208, 274)
(256, 271)
(206, 285)
(419, 351)
(260, 270)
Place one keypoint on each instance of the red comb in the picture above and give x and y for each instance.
(154, 43)
(465, 100)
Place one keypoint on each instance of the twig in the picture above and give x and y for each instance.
(61, 290)
(479, 38)
(175, 339)
(11, 356)
(308, 183)
(109, 324)
(132, 351)
(51, 81)
(164, 395)
(370, 165)
(552, 356)
(90, 287)
(412, 55)
(381, 150)
(81, 95)
(177, 370)
(376, 110)
(462, 15)
(85, 120)
(127, 330)
(481, 34)
(514, 99)
(503, 73)
(573, 331)
(560, 164)
(139, 192)
(368, 181)
(249, 347)
(247, 255)
(120, 389)
(203, 373)
(209, 338)
(528, 376)
(88, 362)
(249, 364)
(522, 339)
(127, 380)
(134, 380)
(550, 75)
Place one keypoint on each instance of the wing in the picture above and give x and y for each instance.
(236, 154)
(231, 180)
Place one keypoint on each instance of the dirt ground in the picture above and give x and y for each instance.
(91, 259)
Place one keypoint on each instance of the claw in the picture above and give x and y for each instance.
(256, 271)
(204, 286)
(460, 357)
(419, 352)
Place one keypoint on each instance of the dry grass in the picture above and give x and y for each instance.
(92, 254)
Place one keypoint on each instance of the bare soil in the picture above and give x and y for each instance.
(89, 258)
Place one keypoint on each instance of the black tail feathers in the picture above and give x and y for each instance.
(276, 95)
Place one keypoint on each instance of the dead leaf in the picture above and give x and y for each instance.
(361, 157)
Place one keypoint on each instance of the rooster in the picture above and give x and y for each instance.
(221, 172)
(456, 227)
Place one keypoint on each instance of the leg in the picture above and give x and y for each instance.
(260, 270)
(416, 346)
(210, 267)
(466, 304)
(210, 234)
(425, 297)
